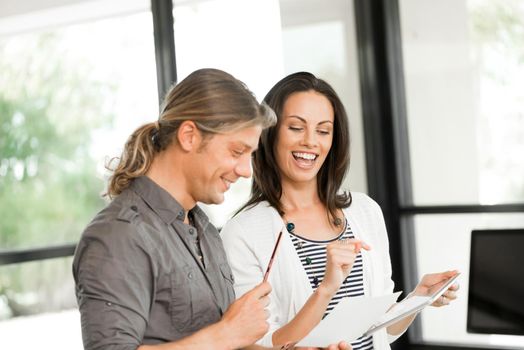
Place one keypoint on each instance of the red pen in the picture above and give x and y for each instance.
(272, 256)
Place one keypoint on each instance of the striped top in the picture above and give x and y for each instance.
(312, 254)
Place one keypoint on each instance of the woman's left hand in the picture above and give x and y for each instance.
(432, 282)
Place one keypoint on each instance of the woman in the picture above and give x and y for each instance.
(334, 244)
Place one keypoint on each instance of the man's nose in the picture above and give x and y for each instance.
(243, 167)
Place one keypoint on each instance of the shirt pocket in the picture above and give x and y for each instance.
(192, 304)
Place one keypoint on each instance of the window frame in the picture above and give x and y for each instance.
(387, 149)
(162, 12)
(384, 115)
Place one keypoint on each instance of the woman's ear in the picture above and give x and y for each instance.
(188, 136)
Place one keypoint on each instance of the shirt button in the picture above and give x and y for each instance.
(109, 304)
(134, 208)
(190, 275)
(191, 231)
(181, 215)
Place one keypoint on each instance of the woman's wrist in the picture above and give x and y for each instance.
(326, 291)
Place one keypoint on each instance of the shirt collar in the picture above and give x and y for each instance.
(163, 203)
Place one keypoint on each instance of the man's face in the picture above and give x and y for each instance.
(219, 162)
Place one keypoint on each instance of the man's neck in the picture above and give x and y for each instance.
(166, 175)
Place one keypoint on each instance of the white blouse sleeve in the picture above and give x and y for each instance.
(388, 283)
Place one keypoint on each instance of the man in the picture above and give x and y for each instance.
(150, 270)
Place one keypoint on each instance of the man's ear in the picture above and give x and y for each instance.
(188, 136)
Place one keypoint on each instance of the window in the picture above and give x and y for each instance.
(321, 38)
(78, 79)
(261, 41)
(464, 88)
(463, 72)
(241, 37)
(70, 94)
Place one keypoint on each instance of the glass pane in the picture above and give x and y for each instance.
(69, 96)
(260, 41)
(322, 39)
(464, 72)
(38, 307)
(241, 37)
(442, 242)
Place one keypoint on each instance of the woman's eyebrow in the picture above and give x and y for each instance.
(304, 121)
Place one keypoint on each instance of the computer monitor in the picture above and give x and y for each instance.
(496, 282)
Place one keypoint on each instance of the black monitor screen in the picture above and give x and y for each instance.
(496, 284)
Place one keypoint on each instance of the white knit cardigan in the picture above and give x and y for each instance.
(249, 239)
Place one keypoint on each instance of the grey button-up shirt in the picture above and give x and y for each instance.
(139, 279)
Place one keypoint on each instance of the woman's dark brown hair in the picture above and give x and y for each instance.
(266, 184)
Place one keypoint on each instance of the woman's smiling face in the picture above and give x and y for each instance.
(305, 136)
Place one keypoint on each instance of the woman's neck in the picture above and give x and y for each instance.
(298, 196)
(304, 209)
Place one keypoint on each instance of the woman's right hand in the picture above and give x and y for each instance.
(341, 256)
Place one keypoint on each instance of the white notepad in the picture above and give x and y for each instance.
(349, 320)
(362, 316)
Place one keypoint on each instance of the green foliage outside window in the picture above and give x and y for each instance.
(49, 189)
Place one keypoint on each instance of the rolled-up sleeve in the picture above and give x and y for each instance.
(114, 285)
